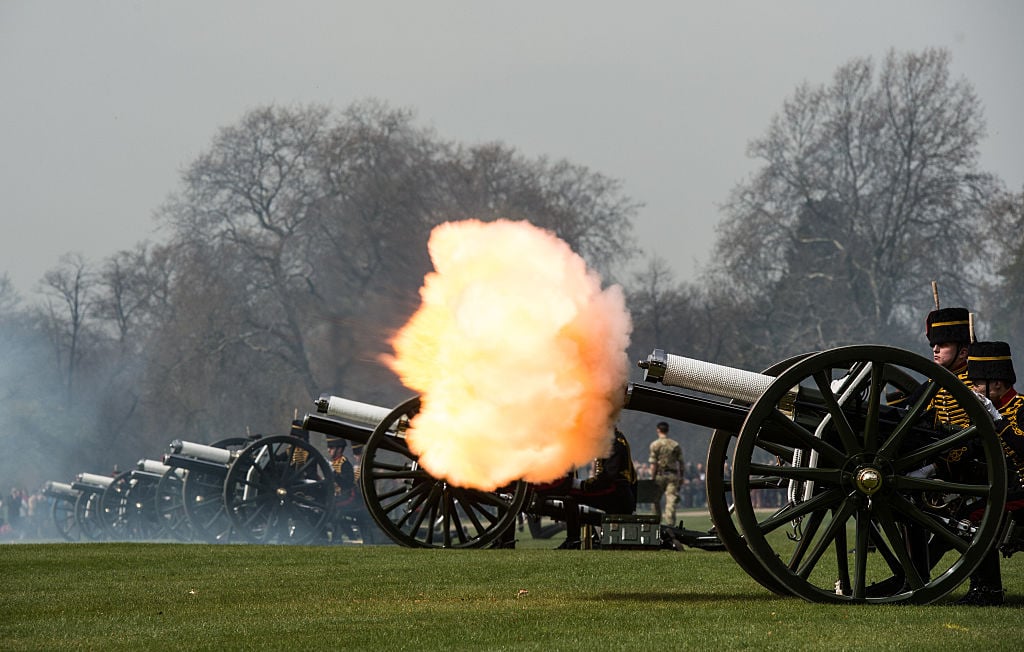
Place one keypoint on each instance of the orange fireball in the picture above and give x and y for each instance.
(518, 353)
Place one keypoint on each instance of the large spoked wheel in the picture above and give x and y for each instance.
(170, 505)
(140, 507)
(720, 503)
(63, 513)
(880, 495)
(89, 517)
(279, 490)
(203, 498)
(128, 507)
(419, 511)
(770, 492)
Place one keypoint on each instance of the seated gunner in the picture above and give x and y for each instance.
(612, 489)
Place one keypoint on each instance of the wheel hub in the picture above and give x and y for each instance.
(282, 492)
(868, 480)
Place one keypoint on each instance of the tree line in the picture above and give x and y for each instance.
(296, 243)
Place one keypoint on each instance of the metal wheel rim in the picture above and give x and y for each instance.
(883, 513)
(719, 506)
(63, 512)
(170, 506)
(272, 499)
(419, 511)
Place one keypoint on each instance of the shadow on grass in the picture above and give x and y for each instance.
(690, 596)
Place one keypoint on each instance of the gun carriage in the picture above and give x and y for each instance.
(879, 504)
(871, 488)
(62, 509)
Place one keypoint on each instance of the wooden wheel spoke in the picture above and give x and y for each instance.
(860, 554)
(874, 402)
(824, 500)
(810, 529)
(412, 497)
(906, 483)
(828, 537)
(830, 477)
(829, 454)
(910, 511)
(915, 459)
(900, 546)
(909, 420)
(839, 420)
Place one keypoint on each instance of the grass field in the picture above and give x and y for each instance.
(131, 596)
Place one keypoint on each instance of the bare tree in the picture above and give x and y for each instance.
(1002, 306)
(584, 208)
(870, 188)
(68, 289)
(250, 198)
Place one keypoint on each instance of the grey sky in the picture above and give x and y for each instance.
(103, 103)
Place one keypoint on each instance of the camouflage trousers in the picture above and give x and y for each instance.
(668, 487)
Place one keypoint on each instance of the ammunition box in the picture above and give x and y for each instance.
(630, 532)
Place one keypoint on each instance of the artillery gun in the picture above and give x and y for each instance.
(867, 484)
(88, 505)
(62, 510)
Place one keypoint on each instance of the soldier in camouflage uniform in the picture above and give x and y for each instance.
(990, 369)
(666, 461)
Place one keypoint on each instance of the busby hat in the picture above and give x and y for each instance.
(948, 325)
(336, 442)
(990, 361)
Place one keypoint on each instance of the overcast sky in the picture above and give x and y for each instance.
(103, 103)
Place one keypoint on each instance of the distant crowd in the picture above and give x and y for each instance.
(691, 491)
(25, 515)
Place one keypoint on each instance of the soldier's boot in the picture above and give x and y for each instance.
(986, 588)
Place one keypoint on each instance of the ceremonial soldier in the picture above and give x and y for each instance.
(666, 460)
(949, 334)
(611, 488)
(990, 370)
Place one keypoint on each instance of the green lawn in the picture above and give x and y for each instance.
(122, 596)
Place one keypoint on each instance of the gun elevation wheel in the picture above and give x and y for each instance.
(881, 506)
(419, 511)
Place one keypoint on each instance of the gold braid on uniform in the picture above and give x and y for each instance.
(299, 456)
(1012, 434)
(948, 411)
(337, 464)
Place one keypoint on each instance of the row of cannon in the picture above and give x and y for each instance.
(883, 504)
(204, 493)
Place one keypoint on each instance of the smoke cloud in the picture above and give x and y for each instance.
(518, 354)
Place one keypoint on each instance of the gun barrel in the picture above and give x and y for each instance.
(201, 451)
(94, 479)
(355, 411)
(59, 489)
(153, 466)
(705, 377)
(691, 409)
(356, 433)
